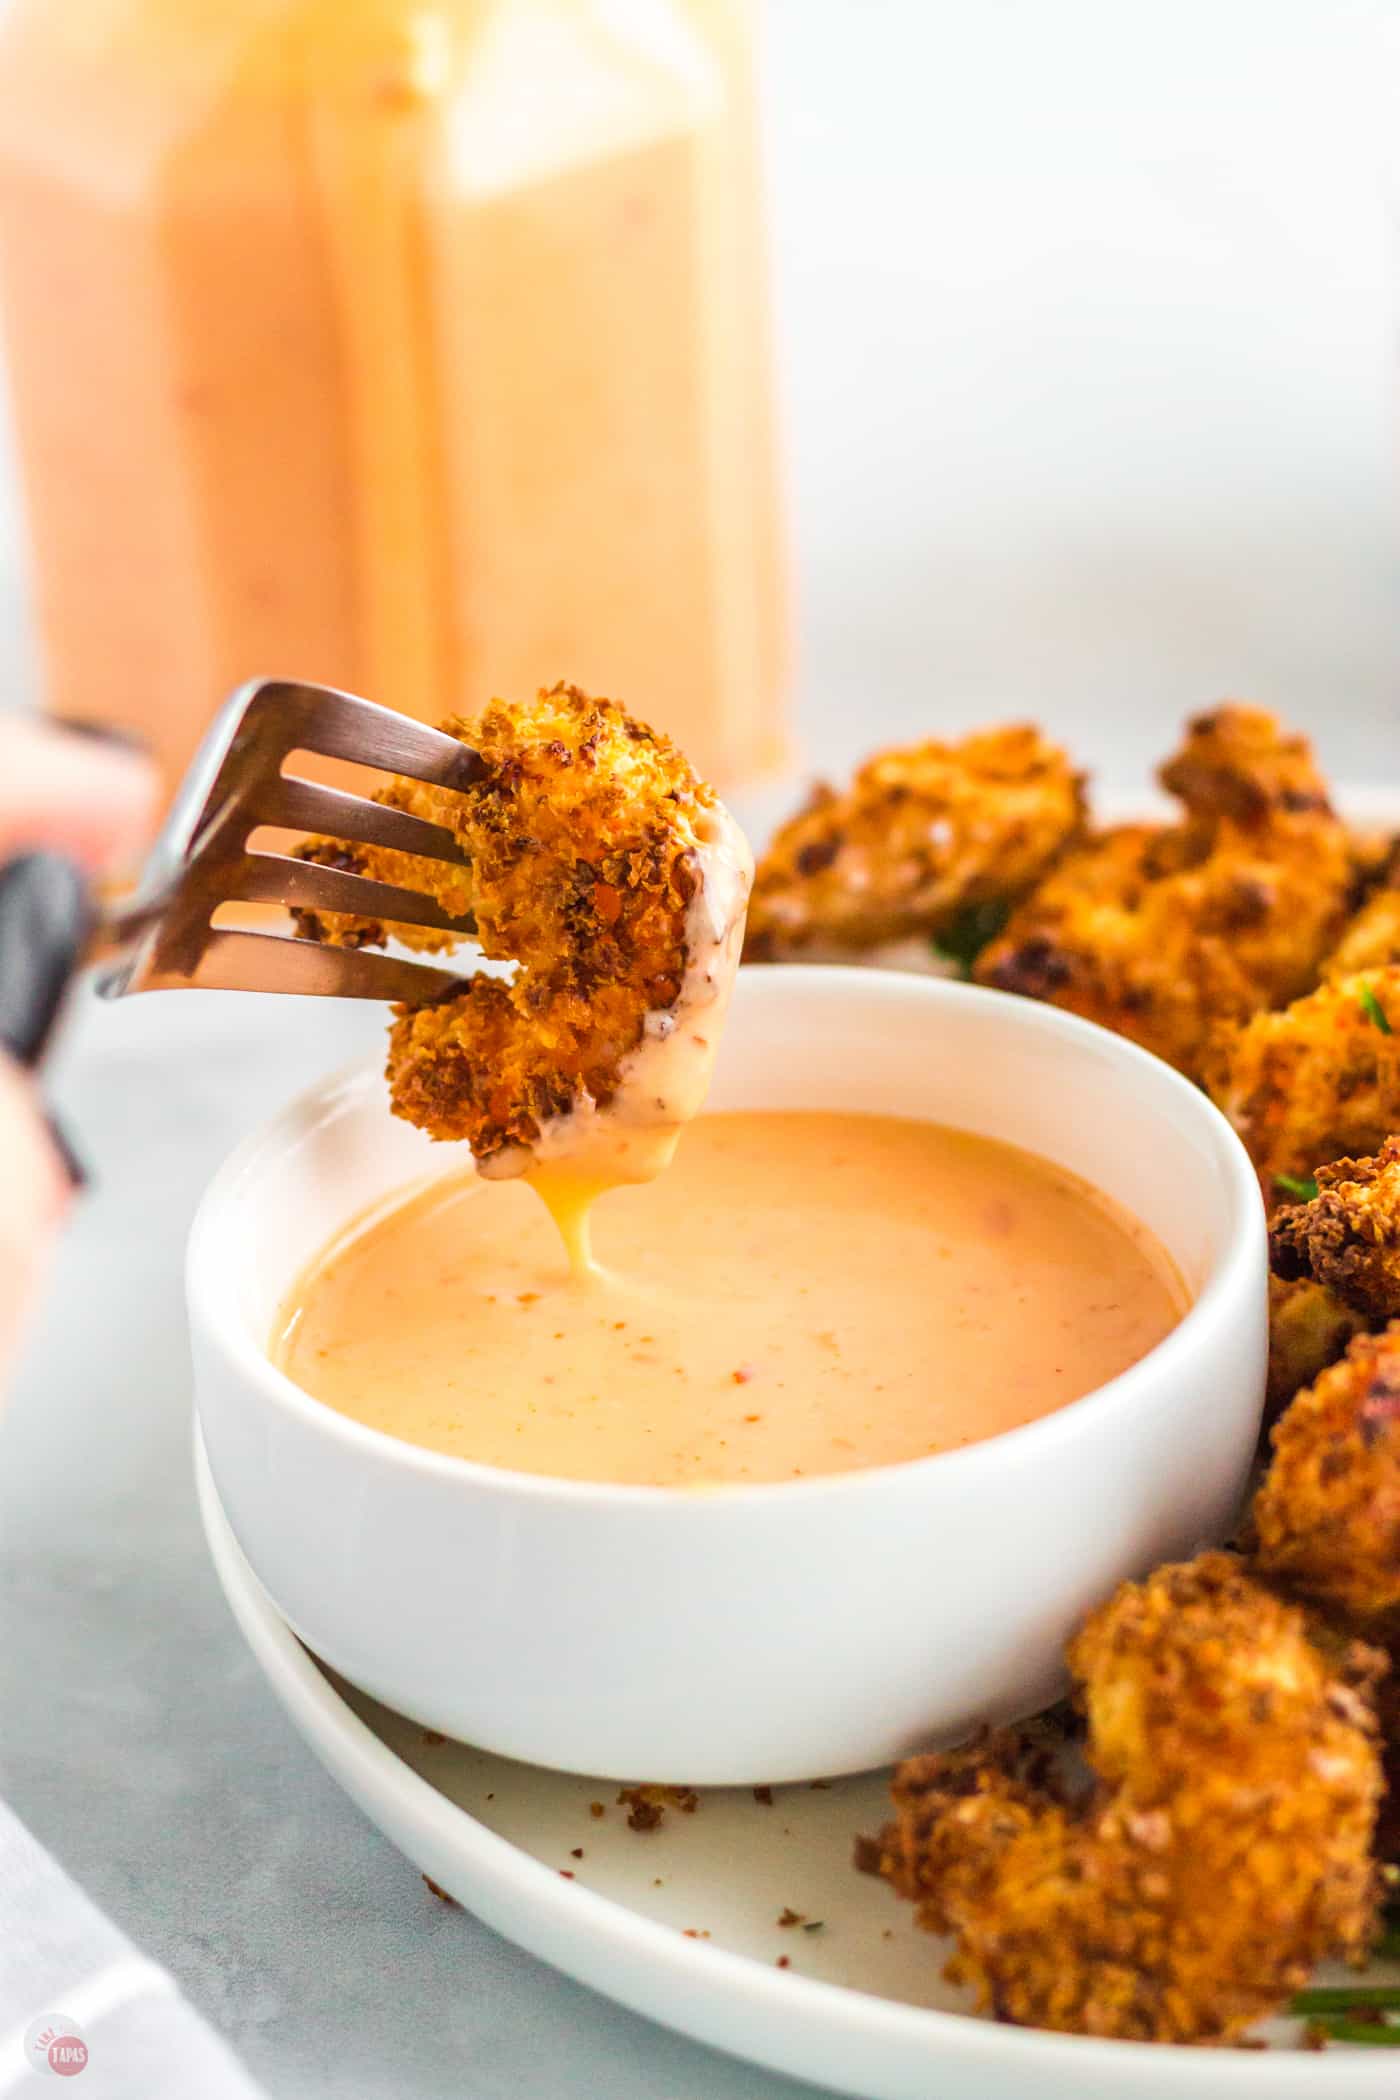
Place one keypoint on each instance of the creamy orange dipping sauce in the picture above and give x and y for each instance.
(798, 1294)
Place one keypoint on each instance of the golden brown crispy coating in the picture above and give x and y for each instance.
(1371, 939)
(1112, 934)
(1326, 1517)
(1315, 1082)
(582, 835)
(1162, 932)
(1348, 1235)
(921, 835)
(1223, 1850)
(1375, 862)
(339, 929)
(1386, 1845)
(1240, 765)
(1309, 1327)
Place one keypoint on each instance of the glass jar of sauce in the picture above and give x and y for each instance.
(414, 346)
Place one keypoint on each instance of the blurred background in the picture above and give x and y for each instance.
(1086, 371)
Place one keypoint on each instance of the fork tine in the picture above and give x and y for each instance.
(235, 785)
(304, 805)
(341, 725)
(235, 961)
(305, 885)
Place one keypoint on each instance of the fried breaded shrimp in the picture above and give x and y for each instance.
(1309, 1327)
(922, 835)
(339, 929)
(1327, 1513)
(1371, 939)
(1317, 1081)
(1113, 934)
(1386, 1845)
(1326, 1517)
(1375, 862)
(1348, 1235)
(1162, 932)
(1223, 1850)
(615, 880)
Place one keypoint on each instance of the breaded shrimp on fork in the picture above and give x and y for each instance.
(616, 882)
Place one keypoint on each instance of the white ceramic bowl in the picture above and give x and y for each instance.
(747, 1634)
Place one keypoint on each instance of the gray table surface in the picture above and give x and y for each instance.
(1089, 375)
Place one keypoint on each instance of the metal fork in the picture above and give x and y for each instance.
(165, 935)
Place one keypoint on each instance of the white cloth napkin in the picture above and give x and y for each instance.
(78, 2002)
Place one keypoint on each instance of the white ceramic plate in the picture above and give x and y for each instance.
(861, 2008)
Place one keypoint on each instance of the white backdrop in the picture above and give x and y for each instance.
(1088, 319)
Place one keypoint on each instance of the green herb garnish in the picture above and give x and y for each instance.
(1347, 1997)
(816, 1924)
(1351, 2012)
(968, 932)
(1374, 1011)
(1361, 2032)
(1300, 1191)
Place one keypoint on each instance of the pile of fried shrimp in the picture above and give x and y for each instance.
(1230, 1821)
(1240, 1796)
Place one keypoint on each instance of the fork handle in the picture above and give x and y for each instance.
(45, 917)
